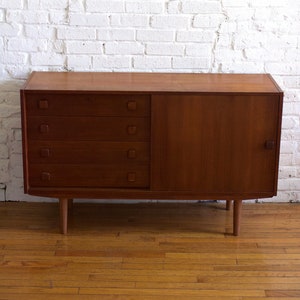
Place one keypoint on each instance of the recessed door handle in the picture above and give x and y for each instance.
(131, 153)
(270, 144)
(44, 128)
(131, 105)
(131, 177)
(131, 130)
(45, 176)
(43, 104)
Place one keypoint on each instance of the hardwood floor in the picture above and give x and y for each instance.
(149, 252)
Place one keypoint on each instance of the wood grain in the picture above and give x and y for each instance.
(149, 251)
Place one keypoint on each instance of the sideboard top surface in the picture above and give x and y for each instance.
(151, 82)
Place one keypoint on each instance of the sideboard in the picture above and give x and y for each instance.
(151, 136)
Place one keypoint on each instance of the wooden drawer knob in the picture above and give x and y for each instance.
(131, 177)
(45, 152)
(131, 153)
(43, 104)
(45, 176)
(131, 129)
(270, 145)
(44, 128)
(131, 105)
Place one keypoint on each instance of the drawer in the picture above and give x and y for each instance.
(69, 104)
(88, 128)
(105, 176)
(88, 152)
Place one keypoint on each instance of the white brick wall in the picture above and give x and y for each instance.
(245, 36)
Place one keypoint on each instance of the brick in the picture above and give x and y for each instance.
(14, 58)
(75, 33)
(239, 14)
(116, 34)
(170, 21)
(1, 15)
(46, 59)
(290, 122)
(129, 20)
(164, 49)
(82, 47)
(4, 174)
(3, 136)
(10, 30)
(58, 17)
(53, 4)
(41, 31)
(153, 35)
(174, 7)
(79, 61)
(267, 3)
(208, 21)
(89, 19)
(190, 63)
(142, 7)
(195, 36)
(144, 62)
(200, 50)
(8, 110)
(263, 54)
(3, 151)
(238, 3)
(27, 16)
(123, 48)
(17, 134)
(15, 4)
(287, 147)
(243, 67)
(204, 7)
(291, 108)
(111, 62)
(283, 69)
(26, 45)
(292, 82)
(76, 6)
(105, 6)
(2, 192)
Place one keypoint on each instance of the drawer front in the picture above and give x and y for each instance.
(105, 176)
(88, 152)
(88, 128)
(44, 104)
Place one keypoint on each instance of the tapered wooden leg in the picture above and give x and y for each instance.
(63, 209)
(237, 217)
(228, 204)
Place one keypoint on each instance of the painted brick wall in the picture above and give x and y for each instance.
(226, 36)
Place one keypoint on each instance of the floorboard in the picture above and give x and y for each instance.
(149, 251)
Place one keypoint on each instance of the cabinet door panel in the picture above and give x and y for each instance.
(214, 143)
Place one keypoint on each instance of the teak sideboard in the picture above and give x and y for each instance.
(151, 136)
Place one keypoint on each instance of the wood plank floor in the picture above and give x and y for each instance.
(149, 252)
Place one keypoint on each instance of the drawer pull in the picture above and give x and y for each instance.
(131, 177)
(131, 129)
(131, 105)
(270, 145)
(44, 128)
(45, 152)
(131, 153)
(45, 176)
(43, 104)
